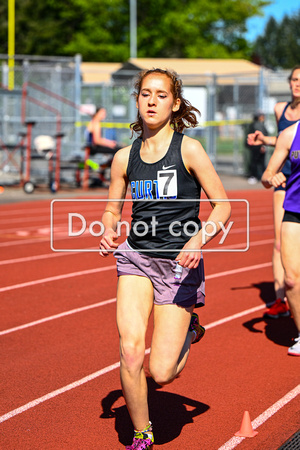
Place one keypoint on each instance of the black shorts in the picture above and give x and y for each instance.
(291, 217)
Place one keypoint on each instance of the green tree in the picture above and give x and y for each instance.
(279, 46)
(53, 27)
(191, 29)
(99, 29)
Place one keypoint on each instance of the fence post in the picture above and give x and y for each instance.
(77, 102)
(211, 111)
(261, 90)
(85, 178)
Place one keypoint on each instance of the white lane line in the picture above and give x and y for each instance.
(55, 278)
(62, 390)
(87, 206)
(20, 242)
(54, 254)
(234, 316)
(251, 244)
(37, 214)
(40, 238)
(234, 441)
(41, 209)
(57, 316)
(240, 270)
(101, 269)
(94, 375)
(33, 258)
(60, 219)
(103, 303)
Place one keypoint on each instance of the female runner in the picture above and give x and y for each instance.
(165, 171)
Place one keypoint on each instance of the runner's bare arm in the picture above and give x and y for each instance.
(272, 175)
(116, 194)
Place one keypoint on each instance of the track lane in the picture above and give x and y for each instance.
(77, 430)
(208, 353)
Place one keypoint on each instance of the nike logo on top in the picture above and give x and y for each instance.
(168, 167)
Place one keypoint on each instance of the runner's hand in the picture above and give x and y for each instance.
(191, 255)
(278, 180)
(107, 243)
(256, 138)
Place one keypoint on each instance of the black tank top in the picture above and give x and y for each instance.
(283, 122)
(164, 217)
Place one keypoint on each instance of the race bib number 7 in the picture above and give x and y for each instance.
(167, 183)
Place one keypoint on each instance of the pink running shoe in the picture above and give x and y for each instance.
(278, 309)
(142, 440)
(195, 326)
(140, 444)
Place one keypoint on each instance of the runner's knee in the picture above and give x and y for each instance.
(132, 354)
(161, 374)
(290, 280)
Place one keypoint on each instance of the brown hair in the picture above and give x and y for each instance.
(295, 102)
(292, 72)
(185, 117)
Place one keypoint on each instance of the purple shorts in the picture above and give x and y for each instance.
(189, 291)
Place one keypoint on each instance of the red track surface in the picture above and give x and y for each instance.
(60, 384)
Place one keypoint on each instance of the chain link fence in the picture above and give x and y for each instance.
(50, 94)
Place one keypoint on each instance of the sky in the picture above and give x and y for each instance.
(277, 9)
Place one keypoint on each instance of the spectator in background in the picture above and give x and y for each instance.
(94, 137)
(256, 152)
(98, 144)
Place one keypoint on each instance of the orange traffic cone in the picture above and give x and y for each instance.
(246, 429)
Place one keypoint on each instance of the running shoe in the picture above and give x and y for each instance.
(278, 309)
(140, 444)
(252, 180)
(294, 350)
(142, 440)
(195, 326)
